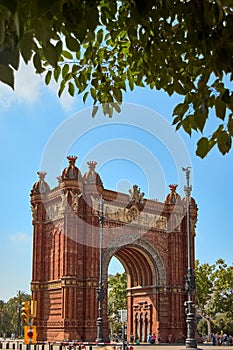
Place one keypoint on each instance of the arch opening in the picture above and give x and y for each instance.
(145, 273)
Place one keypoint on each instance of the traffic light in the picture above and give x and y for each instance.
(29, 334)
(33, 308)
(26, 311)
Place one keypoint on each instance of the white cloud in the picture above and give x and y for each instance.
(20, 237)
(28, 87)
(27, 84)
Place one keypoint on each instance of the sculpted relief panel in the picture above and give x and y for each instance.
(112, 212)
(57, 209)
(132, 215)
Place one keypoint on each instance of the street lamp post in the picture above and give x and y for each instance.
(190, 284)
(100, 290)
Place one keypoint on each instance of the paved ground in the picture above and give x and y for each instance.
(166, 347)
(180, 347)
(145, 346)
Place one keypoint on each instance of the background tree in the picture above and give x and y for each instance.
(214, 296)
(10, 314)
(103, 48)
(2, 303)
(117, 299)
(204, 287)
(223, 294)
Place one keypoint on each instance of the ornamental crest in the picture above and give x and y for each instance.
(135, 195)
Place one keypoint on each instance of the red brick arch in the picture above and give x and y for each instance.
(146, 275)
(148, 237)
(140, 258)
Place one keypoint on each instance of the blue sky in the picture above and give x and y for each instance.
(33, 120)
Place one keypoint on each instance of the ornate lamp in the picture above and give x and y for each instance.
(190, 284)
(100, 290)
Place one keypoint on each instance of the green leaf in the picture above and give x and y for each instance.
(116, 106)
(200, 120)
(204, 79)
(72, 43)
(71, 88)
(186, 124)
(93, 16)
(94, 111)
(224, 142)
(58, 48)
(107, 109)
(48, 77)
(176, 120)
(90, 37)
(14, 58)
(170, 89)
(56, 73)
(180, 109)
(230, 126)
(93, 93)
(78, 54)
(37, 63)
(130, 79)
(100, 55)
(65, 70)
(2, 31)
(26, 44)
(7, 75)
(117, 94)
(78, 84)
(217, 132)
(88, 53)
(220, 108)
(51, 53)
(43, 31)
(204, 146)
(75, 68)
(100, 35)
(85, 96)
(67, 54)
(62, 87)
(95, 83)
(179, 88)
(178, 125)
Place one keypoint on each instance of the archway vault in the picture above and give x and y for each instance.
(141, 260)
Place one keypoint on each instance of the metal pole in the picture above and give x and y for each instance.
(100, 290)
(190, 284)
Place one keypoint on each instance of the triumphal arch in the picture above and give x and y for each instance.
(147, 236)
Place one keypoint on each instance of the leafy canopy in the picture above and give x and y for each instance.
(214, 293)
(10, 314)
(117, 298)
(102, 48)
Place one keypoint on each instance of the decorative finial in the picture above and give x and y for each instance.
(72, 159)
(173, 196)
(136, 195)
(188, 187)
(92, 165)
(41, 175)
(41, 186)
(187, 171)
(173, 187)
